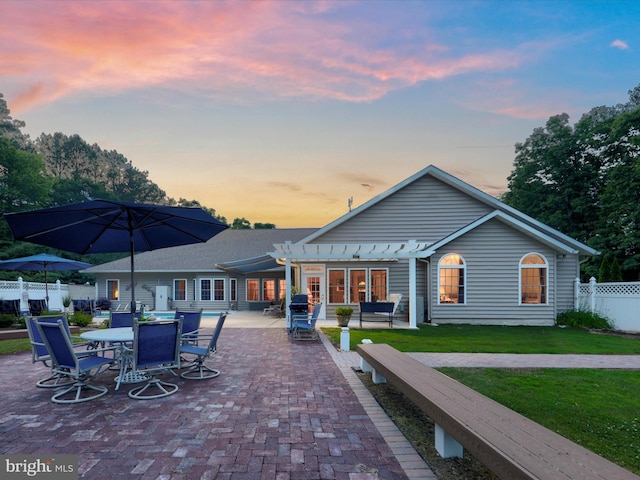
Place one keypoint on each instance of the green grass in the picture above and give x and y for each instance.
(492, 339)
(598, 409)
(14, 346)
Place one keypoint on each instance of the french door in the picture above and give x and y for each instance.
(314, 281)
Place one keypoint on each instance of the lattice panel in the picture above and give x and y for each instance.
(626, 289)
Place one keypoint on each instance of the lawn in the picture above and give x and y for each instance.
(598, 409)
(492, 339)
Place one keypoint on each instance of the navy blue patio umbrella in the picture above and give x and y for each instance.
(45, 263)
(109, 226)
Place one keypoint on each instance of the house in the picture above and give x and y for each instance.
(229, 272)
(456, 254)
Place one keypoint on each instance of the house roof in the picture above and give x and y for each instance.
(228, 246)
(523, 222)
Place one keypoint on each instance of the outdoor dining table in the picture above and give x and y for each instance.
(118, 336)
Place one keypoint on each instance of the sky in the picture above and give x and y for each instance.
(282, 111)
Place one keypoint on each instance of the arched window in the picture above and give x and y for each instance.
(451, 279)
(533, 279)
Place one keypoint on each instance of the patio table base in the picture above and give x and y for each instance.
(132, 377)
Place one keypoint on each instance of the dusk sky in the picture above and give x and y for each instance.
(280, 111)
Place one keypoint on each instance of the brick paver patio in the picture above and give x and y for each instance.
(278, 411)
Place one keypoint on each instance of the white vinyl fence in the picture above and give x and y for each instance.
(619, 302)
(25, 291)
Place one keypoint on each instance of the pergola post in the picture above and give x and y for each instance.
(413, 304)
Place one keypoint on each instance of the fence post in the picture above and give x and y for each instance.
(592, 294)
(576, 294)
(23, 295)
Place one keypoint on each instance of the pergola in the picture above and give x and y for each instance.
(356, 252)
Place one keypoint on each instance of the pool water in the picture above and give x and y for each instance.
(166, 315)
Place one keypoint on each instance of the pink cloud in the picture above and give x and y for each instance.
(237, 50)
(622, 45)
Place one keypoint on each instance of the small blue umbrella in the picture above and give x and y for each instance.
(108, 226)
(45, 263)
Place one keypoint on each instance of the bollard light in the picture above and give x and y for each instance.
(345, 339)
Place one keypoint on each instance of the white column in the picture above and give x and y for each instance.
(413, 305)
(287, 277)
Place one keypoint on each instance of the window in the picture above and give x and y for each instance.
(357, 286)
(233, 289)
(451, 279)
(113, 289)
(336, 286)
(253, 290)
(269, 290)
(533, 279)
(218, 289)
(282, 288)
(378, 285)
(180, 289)
(205, 289)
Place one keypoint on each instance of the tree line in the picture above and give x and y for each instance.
(584, 180)
(58, 169)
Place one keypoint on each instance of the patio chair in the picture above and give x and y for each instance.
(190, 324)
(303, 327)
(395, 299)
(198, 370)
(80, 366)
(39, 352)
(156, 350)
(37, 307)
(122, 319)
(10, 307)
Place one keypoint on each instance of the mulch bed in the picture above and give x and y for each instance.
(418, 428)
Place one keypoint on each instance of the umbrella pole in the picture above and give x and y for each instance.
(46, 287)
(133, 286)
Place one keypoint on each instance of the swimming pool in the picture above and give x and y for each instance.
(164, 315)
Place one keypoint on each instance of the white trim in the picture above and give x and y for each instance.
(522, 266)
(326, 252)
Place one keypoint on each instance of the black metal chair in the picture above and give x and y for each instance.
(37, 307)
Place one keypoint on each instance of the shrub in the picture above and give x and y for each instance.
(583, 319)
(80, 319)
(343, 311)
(6, 320)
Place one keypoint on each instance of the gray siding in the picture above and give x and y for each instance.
(492, 253)
(425, 210)
(568, 269)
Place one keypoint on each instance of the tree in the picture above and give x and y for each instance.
(585, 180)
(24, 184)
(553, 180)
(264, 226)
(10, 128)
(241, 223)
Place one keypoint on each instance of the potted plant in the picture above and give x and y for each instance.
(343, 314)
(66, 303)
